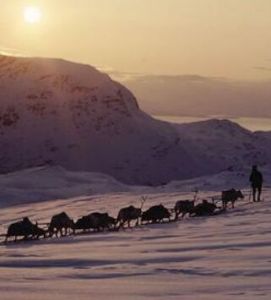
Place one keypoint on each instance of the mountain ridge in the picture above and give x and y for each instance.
(55, 112)
(64, 113)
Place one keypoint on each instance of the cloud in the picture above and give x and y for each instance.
(122, 76)
(119, 75)
(184, 77)
(259, 68)
(130, 76)
(11, 51)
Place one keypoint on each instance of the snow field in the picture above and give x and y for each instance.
(221, 257)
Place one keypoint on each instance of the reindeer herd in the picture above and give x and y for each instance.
(62, 225)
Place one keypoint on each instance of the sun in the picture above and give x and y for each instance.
(32, 14)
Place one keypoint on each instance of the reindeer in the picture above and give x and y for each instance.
(230, 196)
(127, 214)
(183, 207)
(26, 229)
(156, 214)
(96, 221)
(60, 223)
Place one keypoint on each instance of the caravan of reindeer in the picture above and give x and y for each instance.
(62, 225)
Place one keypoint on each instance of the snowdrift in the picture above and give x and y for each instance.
(51, 183)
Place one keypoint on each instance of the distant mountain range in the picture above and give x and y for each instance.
(54, 112)
(193, 95)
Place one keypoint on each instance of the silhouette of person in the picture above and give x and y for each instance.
(256, 180)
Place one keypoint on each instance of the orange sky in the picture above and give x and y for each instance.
(229, 38)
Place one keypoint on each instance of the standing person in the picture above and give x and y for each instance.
(256, 180)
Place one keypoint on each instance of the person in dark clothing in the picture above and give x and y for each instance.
(256, 180)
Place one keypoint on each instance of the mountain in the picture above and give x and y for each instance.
(225, 143)
(55, 112)
(62, 113)
(264, 134)
(195, 95)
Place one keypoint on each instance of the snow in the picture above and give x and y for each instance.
(225, 143)
(54, 182)
(71, 130)
(62, 113)
(222, 257)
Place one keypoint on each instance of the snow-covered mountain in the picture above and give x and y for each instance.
(61, 113)
(226, 144)
(57, 112)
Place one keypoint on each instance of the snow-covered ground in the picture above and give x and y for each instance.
(54, 182)
(222, 257)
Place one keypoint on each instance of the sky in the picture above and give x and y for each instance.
(218, 38)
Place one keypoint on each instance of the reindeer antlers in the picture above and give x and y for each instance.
(196, 191)
(143, 200)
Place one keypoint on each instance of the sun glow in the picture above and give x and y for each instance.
(32, 14)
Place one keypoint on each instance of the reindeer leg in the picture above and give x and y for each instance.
(176, 215)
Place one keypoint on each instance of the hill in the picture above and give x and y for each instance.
(61, 113)
(58, 113)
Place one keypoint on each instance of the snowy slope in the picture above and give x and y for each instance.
(54, 182)
(224, 257)
(226, 144)
(50, 183)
